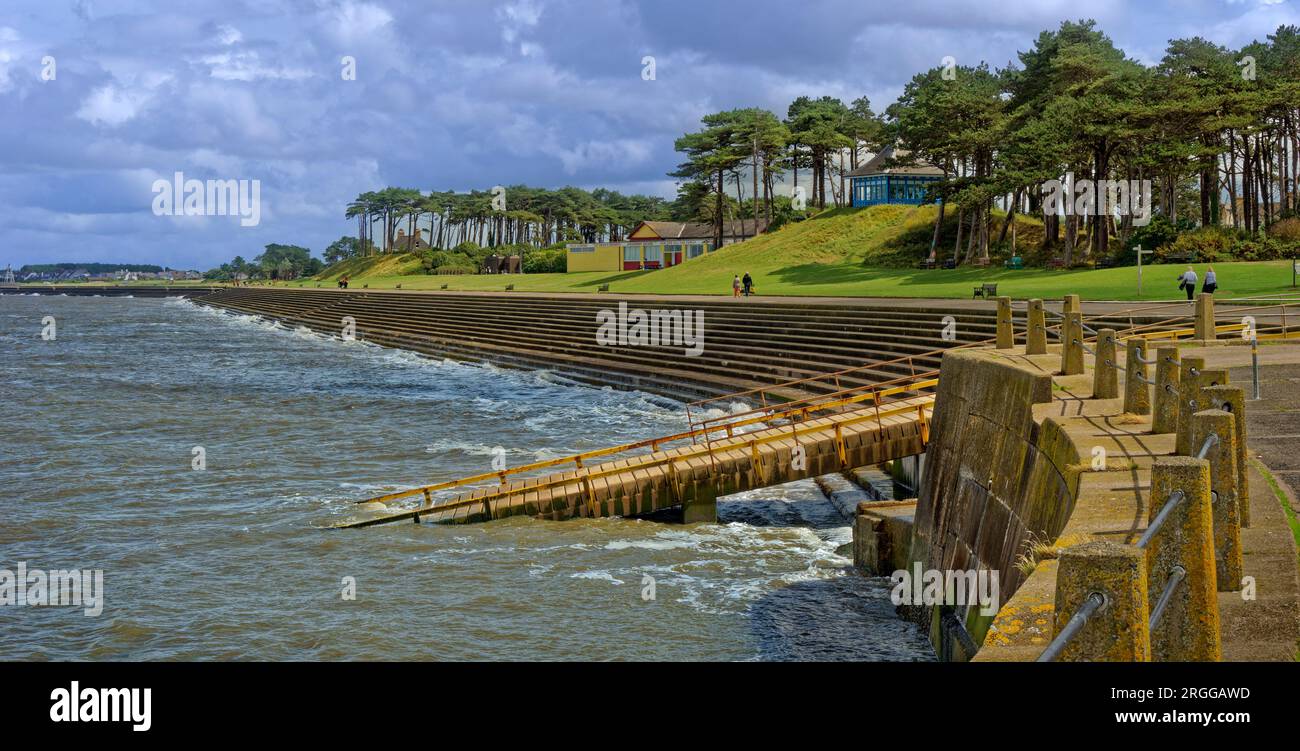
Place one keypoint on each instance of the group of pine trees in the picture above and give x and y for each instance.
(391, 220)
(1204, 124)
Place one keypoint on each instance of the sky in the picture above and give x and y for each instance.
(100, 99)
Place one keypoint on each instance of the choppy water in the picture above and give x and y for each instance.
(230, 563)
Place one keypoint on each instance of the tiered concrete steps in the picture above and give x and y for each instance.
(747, 344)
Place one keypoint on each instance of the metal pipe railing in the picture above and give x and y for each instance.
(1092, 603)
(1153, 528)
(1177, 576)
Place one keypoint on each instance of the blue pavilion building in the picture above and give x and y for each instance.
(890, 177)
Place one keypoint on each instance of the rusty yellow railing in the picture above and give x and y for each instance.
(653, 443)
(696, 451)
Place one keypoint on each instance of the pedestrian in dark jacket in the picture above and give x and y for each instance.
(748, 283)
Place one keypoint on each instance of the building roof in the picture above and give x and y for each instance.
(892, 161)
(701, 230)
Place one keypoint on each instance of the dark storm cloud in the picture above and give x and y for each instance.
(449, 94)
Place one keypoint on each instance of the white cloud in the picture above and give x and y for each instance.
(247, 66)
(229, 35)
(112, 106)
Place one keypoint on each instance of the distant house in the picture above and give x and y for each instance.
(658, 245)
(891, 177)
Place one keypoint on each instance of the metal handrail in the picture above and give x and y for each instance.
(1094, 602)
(1153, 528)
(1212, 440)
(905, 383)
(1177, 575)
(592, 472)
(763, 390)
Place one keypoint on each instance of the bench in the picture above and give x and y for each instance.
(950, 263)
(1055, 264)
(986, 291)
(443, 287)
(928, 263)
(509, 287)
(1187, 257)
(603, 288)
(1014, 262)
(1105, 263)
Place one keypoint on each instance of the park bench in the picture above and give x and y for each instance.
(950, 263)
(603, 288)
(1105, 263)
(986, 291)
(509, 287)
(443, 287)
(1185, 257)
(1055, 264)
(927, 263)
(1015, 262)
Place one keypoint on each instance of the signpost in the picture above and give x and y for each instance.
(1295, 269)
(1140, 253)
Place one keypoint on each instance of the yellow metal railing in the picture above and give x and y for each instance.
(589, 473)
(876, 395)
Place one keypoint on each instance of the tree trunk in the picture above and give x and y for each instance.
(754, 169)
(717, 215)
(956, 248)
(1011, 216)
(938, 223)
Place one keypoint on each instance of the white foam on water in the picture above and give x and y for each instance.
(597, 575)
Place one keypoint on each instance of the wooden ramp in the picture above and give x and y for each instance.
(762, 447)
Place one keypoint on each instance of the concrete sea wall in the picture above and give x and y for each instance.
(996, 481)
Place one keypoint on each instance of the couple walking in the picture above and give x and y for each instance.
(1187, 282)
(737, 284)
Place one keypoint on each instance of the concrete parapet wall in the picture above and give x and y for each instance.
(996, 477)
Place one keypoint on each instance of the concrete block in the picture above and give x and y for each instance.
(1036, 329)
(1225, 505)
(1168, 371)
(1105, 376)
(1189, 629)
(1006, 333)
(1189, 395)
(1118, 631)
(1072, 344)
(1205, 316)
(1233, 399)
(1137, 392)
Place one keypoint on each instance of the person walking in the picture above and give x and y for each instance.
(1211, 281)
(748, 283)
(1187, 282)
(735, 286)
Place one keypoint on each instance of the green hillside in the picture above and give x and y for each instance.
(843, 252)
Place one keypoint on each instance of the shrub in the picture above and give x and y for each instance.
(1154, 235)
(430, 260)
(1205, 245)
(1265, 249)
(546, 261)
(456, 268)
(1287, 230)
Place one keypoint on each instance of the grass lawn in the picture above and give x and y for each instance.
(712, 275)
(839, 253)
